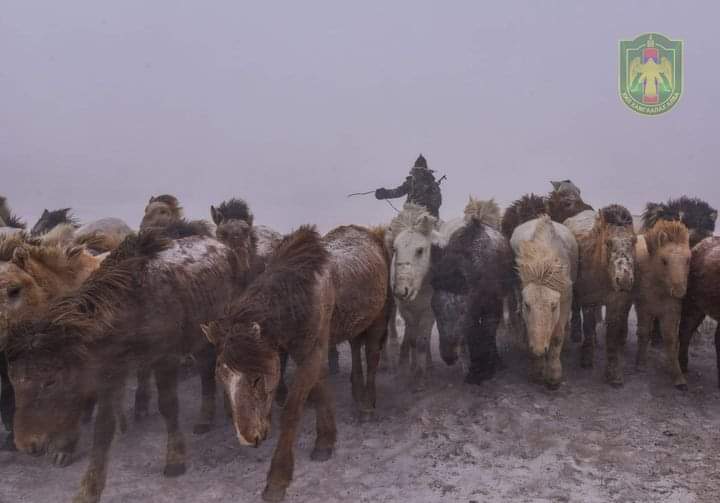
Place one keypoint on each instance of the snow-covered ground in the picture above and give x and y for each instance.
(507, 440)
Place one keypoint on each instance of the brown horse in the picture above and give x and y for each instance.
(314, 292)
(161, 211)
(565, 202)
(31, 276)
(702, 298)
(143, 307)
(606, 242)
(663, 264)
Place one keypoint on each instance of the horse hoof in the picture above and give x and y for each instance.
(321, 455)
(552, 386)
(201, 428)
(681, 387)
(9, 444)
(174, 470)
(61, 459)
(273, 495)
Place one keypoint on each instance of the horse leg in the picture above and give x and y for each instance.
(206, 367)
(93, 481)
(644, 323)
(423, 330)
(333, 360)
(307, 376)
(374, 338)
(690, 319)
(617, 329)
(282, 390)
(166, 380)
(717, 351)
(656, 334)
(576, 330)
(142, 393)
(553, 375)
(483, 349)
(357, 379)
(7, 404)
(321, 396)
(587, 350)
(669, 324)
(392, 350)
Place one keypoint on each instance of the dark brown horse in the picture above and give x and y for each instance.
(314, 292)
(142, 307)
(702, 298)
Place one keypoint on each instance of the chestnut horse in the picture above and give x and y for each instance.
(315, 292)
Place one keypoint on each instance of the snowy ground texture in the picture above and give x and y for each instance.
(507, 440)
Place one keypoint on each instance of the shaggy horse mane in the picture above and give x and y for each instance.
(284, 292)
(616, 215)
(7, 219)
(537, 262)
(485, 212)
(413, 217)
(52, 219)
(528, 207)
(168, 199)
(13, 221)
(666, 232)
(613, 215)
(232, 209)
(79, 318)
(692, 211)
(182, 228)
(10, 242)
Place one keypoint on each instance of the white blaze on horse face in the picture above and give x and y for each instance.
(541, 310)
(232, 382)
(411, 264)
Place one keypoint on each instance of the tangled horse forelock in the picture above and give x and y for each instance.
(616, 215)
(411, 218)
(535, 266)
(666, 232)
(485, 212)
(538, 263)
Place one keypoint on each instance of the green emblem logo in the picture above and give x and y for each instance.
(651, 73)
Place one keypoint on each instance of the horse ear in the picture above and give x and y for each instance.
(20, 257)
(152, 198)
(556, 185)
(210, 332)
(215, 214)
(45, 213)
(426, 224)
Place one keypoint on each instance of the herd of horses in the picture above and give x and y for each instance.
(83, 307)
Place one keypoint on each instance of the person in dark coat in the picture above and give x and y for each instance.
(420, 187)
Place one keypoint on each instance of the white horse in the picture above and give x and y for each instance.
(546, 256)
(412, 235)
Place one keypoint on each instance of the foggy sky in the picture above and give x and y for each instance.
(293, 105)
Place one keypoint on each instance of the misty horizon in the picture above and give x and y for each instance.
(292, 108)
